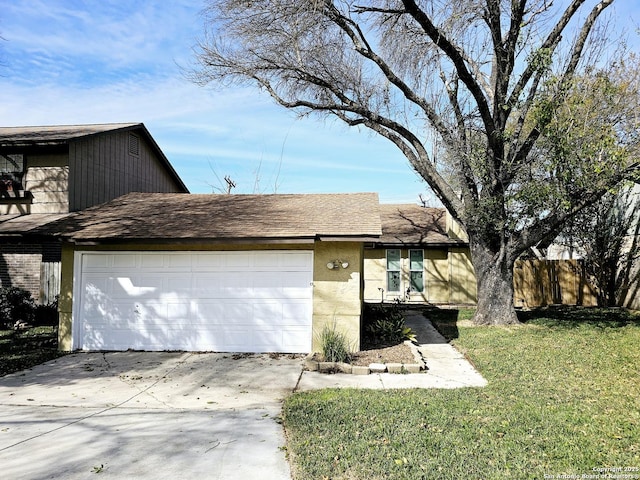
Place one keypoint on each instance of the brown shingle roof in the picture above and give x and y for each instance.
(168, 216)
(413, 225)
(24, 224)
(55, 134)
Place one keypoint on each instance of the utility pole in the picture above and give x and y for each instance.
(230, 183)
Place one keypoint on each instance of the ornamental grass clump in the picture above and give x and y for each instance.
(385, 324)
(334, 345)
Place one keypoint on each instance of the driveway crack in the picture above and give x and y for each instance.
(100, 412)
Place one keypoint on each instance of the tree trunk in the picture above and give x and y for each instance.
(494, 274)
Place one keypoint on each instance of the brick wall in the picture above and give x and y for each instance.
(20, 264)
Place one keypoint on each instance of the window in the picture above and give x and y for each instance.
(11, 171)
(393, 270)
(416, 270)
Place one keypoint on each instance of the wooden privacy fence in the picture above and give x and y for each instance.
(551, 282)
(49, 282)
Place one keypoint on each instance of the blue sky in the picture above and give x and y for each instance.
(101, 61)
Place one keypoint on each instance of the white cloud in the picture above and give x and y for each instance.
(114, 35)
(72, 62)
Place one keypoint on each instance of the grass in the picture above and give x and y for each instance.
(20, 350)
(563, 398)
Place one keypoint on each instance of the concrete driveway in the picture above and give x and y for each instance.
(147, 415)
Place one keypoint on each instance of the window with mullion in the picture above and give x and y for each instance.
(416, 271)
(393, 270)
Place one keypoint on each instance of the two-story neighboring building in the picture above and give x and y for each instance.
(48, 172)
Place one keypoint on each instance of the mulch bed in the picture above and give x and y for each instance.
(399, 353)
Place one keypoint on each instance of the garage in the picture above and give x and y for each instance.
(209, 272)
(238, 301)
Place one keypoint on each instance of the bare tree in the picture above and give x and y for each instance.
(466, 90)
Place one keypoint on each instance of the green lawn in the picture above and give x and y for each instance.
(24, 349)
(563, 398)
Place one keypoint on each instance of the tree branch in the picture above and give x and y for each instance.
(397, 133)
(439, 38)
(552, 225)
(567, 75)
(355, 34)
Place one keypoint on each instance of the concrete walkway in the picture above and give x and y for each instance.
(447, 367)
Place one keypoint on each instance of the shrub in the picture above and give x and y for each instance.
(334, 345)
(385, 324)
(46, 315)
(16, 304)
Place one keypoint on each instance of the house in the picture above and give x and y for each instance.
(422, 256)
(48, 172)
(630, 295)
(206, 272)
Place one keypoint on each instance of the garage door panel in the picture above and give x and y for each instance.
(214, 312)
(179, 311)
(220, 301)
(151, 261)
(295, 261)
(123, 261)
(296, 284)
(94, 283)
(238, 259)
(152, 312)
(294, 339)
(234, 281)
(220, 313)
(265, 280)
(99, 262)
(236, 338)
(295, 311)
(269, 312)
(96, 294)
(209, 262)
(179, 285)
(136, 287)
(270, 261)
(206, 285)
(262, 338)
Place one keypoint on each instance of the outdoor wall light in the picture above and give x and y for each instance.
(336, 264)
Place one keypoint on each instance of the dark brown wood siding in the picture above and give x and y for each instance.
(102, 168)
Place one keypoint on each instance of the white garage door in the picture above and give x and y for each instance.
(253, 301)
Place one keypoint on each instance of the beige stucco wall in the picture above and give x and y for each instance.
(337, 297)
(336, 293)
(374, 274)
(449, 277)
(455, 230)
(463, 277)
(437, 275)
(65, 301)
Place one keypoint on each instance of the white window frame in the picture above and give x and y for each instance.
(394, 270)
(413, 270)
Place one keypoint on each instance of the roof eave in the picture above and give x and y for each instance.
(348, 238)
(219, 241)
(190, 241)
(383, 244)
